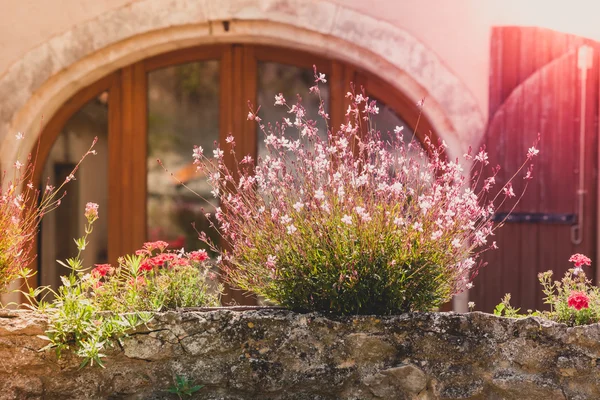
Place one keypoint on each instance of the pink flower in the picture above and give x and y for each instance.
(578, 300)
(91, 212)
(532, 152)
(198, 255)
(102, 270)
(147, 266)
(159, 244)
(160, 260)
(508, 190)
(579, 260)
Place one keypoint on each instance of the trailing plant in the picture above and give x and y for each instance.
(356, 222)
(22, 206)
(184, 387)
(573, 300)
(93, 308)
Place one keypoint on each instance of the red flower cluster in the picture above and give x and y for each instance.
(578, 300)
(198, 255)
(102, 270)
(163, 260)
(151, 246)
(579, 260)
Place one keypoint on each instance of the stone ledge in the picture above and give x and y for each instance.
(278, 354)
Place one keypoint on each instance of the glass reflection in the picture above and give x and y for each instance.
(67, 222)
(183, 111)
(275, 78)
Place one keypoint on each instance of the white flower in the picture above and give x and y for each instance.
(396, 188)
(532, 152)
(218, 153)
(508, 191)
(436, 235)
(197, 154)
(279, 100)
(398, 221)
(291, 229)
(456, 243)
(471, 305)
(418, 226)
(469, 285)
(271, 260)
(482, 157)
(298, 206)
(19, 135)
(319, 195)
(285, 219)
(18, 165)
(347, 219)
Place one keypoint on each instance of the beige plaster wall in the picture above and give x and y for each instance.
(26, 24)
(457, 31)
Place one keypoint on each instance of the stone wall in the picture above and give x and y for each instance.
(277, 354)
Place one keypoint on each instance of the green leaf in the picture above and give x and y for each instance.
(498, 310)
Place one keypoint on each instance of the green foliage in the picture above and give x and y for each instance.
(94, 309)
(561, 296)
(504, 309)
(183, 386)
(558, 294)
(129, 289)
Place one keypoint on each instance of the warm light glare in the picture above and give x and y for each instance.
(578, 17)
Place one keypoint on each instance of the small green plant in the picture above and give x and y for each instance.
(183, 387)
(94, 308)
(573, 300)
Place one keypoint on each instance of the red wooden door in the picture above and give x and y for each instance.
(536, 86)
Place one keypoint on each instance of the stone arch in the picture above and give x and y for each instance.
(41, 81)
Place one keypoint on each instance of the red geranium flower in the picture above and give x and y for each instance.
(161, 259)
(198, 255)
(147, 265)
(578, 300)
(579, 260)
(102, 270)
(159, 244)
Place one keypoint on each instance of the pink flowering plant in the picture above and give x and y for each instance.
(96, 306)
(22, 207)
(356, 221)
(573, 300)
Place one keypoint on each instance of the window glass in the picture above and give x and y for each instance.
(387, 120)
(275, 78)
(183, 111)
(67, 222)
